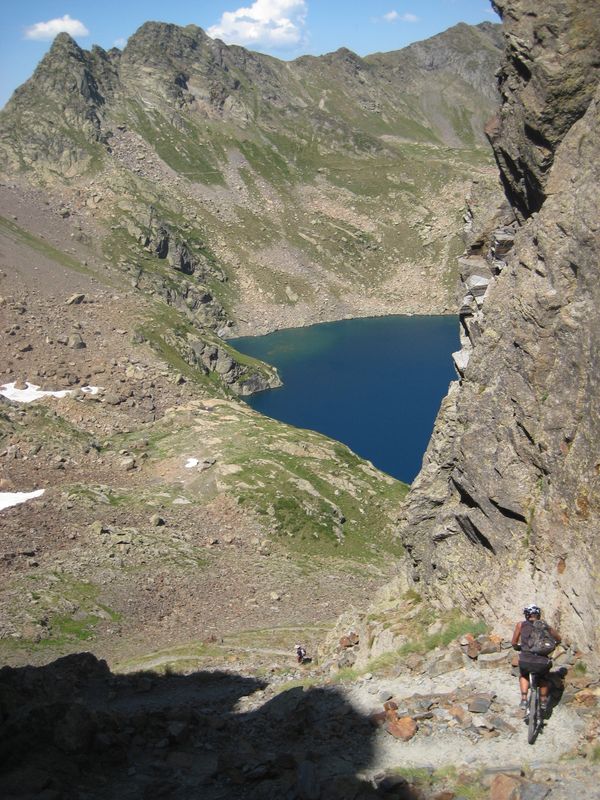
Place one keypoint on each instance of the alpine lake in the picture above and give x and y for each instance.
(374, 384)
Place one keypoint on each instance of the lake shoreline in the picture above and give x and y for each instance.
(247, 330)
(373, 383)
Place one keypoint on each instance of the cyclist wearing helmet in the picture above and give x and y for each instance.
(528, 661)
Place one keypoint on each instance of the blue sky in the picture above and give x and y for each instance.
(283, 28)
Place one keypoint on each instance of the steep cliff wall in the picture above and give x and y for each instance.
(506, 509)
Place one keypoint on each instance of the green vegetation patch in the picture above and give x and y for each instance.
(454, 624)
(67, 608)
(182, 148)
(315, 495)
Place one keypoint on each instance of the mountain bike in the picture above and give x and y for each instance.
(534, 708)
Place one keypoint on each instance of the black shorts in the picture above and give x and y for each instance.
(526, 666)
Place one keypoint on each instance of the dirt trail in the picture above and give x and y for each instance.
(449, 746)
(503, 744)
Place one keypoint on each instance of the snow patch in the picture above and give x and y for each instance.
(8, 499)
(191, 463)
(33, 392)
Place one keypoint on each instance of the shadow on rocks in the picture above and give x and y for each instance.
(72, 730)
(556, 679)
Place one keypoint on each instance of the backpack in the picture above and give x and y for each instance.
(540, 641)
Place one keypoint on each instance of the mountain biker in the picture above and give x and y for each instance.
(300, 653)
(528, 661)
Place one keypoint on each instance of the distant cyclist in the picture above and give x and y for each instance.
(529, 661)
(300, 653)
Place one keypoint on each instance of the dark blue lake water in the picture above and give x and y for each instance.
(374, 384)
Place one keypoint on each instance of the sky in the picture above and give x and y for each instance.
(283, 28)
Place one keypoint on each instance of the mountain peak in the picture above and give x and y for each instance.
(64, 44)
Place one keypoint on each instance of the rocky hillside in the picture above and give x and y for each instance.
(507, 506)
(284, 193)
(153, 202)
(162, 510)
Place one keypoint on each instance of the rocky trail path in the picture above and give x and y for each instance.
(466, 718)
(300, 732)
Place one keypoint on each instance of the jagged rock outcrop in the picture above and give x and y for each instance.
(507, 506)
(548, 79)
(68, 92)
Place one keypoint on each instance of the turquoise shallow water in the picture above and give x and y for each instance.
(374, 384)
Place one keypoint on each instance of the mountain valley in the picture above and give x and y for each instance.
(157, 202)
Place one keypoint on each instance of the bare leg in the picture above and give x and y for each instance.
(524, 685)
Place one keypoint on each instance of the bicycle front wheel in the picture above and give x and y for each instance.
(534, 712)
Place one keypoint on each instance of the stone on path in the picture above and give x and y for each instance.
(403, 728)
(479, 704)
(75, 342)
(448, 663)
(473, 649)
(511, 787)
(460, 714)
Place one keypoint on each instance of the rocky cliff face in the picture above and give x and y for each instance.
(506, 509)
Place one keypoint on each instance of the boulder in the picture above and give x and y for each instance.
(477, 284)
(403, 728)
(113, 399)
(347, 659)
(493, 660)
(511, 787)
(473, 649)
(461, 360)
(350, 640)
(489, 644)
(448, 663)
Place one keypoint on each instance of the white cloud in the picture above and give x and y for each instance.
(48, 30)
(278, 23)
(393, 16)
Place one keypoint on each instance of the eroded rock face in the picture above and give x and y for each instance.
(507, 506)
(550, 70)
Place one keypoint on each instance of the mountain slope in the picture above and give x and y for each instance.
(154, 202)
(317, 188)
